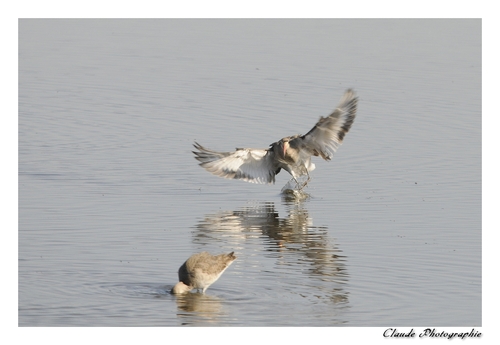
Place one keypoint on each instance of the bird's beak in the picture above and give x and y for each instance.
(285, 147)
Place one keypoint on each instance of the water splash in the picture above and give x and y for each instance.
(291, 190)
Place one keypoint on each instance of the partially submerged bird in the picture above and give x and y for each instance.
(201, 270)
(292, 153)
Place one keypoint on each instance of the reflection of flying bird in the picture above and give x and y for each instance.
(201, 270)
(292, 153)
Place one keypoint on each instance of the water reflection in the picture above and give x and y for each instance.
(204, 307)
(275, 253)
(295, 244)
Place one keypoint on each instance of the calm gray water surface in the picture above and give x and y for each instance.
(111, 200)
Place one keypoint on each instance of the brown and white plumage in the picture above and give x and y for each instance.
(292, 154)
(201, 270)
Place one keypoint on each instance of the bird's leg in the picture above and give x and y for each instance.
(307, 181)
(297, 184)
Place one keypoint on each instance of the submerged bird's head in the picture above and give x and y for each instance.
(180, 288)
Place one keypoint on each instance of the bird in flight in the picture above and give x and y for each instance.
(292, 153)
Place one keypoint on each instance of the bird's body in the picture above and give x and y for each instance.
(201, 270)
(293, 153)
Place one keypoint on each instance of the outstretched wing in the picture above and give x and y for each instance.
(327, 135)
(251, 165)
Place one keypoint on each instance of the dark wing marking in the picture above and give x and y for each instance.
(327, 135)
